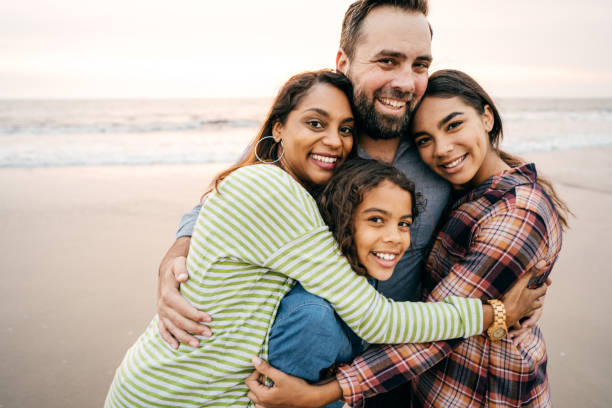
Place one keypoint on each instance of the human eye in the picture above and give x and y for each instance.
(376, 219)
(386, 62)
(405, 224)
(422, 141)
(453, 125)
(421, 66)
(315, 123)
(346, 130)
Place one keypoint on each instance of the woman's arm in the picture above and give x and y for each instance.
(291, 391)
(269, 216)
(315, 261)
(177, 317)
(288, 391)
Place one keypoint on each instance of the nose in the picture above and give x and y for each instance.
(405, 80)
(333, 139)
(443, 148)
(392, 234)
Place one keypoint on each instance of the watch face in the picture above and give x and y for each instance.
(499, 333)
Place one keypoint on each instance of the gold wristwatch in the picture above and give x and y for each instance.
(498, 329)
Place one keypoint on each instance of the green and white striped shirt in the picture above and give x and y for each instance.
(254, 238)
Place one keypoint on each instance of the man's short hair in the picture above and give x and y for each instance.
(358, 11)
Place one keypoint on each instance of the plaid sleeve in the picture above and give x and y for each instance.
(503, 247)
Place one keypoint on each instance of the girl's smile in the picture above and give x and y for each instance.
(382, 228)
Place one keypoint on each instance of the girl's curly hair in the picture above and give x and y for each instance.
(345, 191)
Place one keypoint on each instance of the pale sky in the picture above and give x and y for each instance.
(200, 48)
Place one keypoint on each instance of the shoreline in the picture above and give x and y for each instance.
(81, 246)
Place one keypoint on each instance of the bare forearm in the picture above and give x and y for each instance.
(487, 317)
(326, 393)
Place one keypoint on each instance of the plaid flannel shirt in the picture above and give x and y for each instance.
(493, 234)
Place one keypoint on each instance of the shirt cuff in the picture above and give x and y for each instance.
(348, 379)
(471, 313)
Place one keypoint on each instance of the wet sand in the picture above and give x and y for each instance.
(80, 247)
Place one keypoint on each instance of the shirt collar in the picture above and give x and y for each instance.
(496, 186)
(405, 145)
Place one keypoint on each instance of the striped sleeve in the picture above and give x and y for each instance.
(315, 260)
(278, 217)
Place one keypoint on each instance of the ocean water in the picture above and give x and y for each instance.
(35, 133)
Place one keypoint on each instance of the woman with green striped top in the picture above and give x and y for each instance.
(258, 233)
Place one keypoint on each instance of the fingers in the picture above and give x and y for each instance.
(165, 334)
(541, 290)
(272, 373)
(179, 269)
(538, 304)
(541, 264)
(253, 397)
(533, 319)
(266, 369)
(182, 313)
(181, 335)
(178, 317)
(521, 338)
(256, 388)
(513, 334)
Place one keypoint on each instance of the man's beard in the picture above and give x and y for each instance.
(379, 126)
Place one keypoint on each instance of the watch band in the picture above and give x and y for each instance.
(498, 329)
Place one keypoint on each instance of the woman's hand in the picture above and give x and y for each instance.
(520, 331)
(288, 391)
(177, 317)
(520, 301)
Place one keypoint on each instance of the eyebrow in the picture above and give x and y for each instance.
(319, 111)
(374, 209)
(324, 113)
(440, 124)
(401, 55)
(447, 118)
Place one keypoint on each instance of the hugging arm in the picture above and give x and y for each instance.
(492, 266)
(503, 249)
(177, 317)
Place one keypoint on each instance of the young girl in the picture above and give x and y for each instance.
(259, 231)
(369, 207)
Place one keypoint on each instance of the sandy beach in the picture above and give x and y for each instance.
(80, 247)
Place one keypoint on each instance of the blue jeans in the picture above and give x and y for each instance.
(308, 337)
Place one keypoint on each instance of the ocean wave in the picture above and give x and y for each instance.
(50, 127)
(602, 115)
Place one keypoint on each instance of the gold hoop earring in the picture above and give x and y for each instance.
(273, 161)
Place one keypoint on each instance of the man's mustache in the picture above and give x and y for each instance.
(395, 94)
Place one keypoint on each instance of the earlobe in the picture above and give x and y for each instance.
(341, 61)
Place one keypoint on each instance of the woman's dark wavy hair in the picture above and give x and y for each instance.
(344, 192)
(288, 98)
(449, 83)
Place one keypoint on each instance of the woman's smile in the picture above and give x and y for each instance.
(454, 165)
(317, 135)
(325, 161)
(453, 139)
